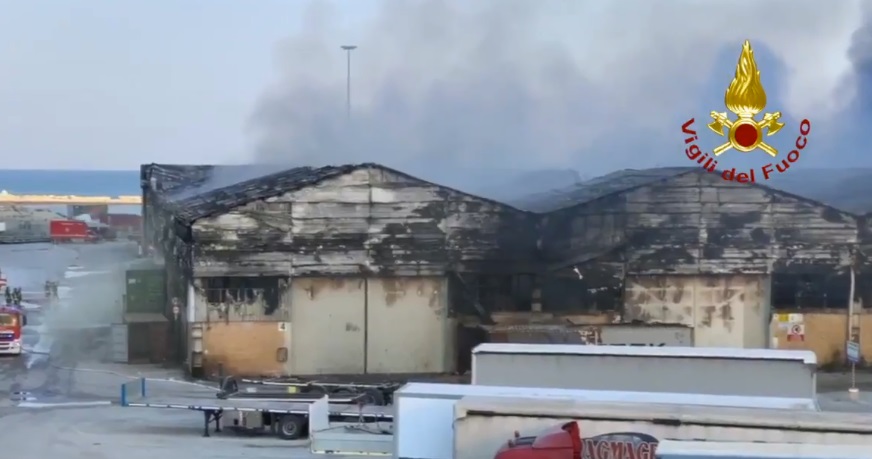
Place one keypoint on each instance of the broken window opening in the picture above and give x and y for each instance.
(242, 293)
(810, 291)
(507, 293)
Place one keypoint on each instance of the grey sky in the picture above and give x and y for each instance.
(86, 84)
(547, 83)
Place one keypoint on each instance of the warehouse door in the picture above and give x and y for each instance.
(327, 326)
(407, 322)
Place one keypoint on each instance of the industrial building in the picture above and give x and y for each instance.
(365, 269)
(333, 270)
(684, 246)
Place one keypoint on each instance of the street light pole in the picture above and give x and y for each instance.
(348, 49)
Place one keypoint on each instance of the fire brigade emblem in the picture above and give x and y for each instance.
(746, 98)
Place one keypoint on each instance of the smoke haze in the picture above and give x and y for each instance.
(440, 87)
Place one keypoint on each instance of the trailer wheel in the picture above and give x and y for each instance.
(291, 427)
(373, 397)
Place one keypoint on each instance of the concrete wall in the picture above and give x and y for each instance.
(825, 333)
(246, 348)
(601, 371)
(723, 310)
(374, 325)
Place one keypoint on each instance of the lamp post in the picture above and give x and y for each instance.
(348, 49)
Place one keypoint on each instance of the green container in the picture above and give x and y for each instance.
(146, 291)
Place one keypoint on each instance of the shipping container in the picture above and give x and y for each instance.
(25, 225)
(145, 291)
(124, 221)
(142, 338)
(712, 371)
(125, 226)
(69, 230)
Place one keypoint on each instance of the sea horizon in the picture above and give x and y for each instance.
(73, 182)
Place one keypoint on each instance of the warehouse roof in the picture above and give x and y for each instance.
(195, 192)
(169, 177)
(598, 187)
(190, 205)
(629, 179)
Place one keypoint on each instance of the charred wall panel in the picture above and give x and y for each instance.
(406, 224)
(579, 233)
(701, 223)
(693, 223)
(371, 220)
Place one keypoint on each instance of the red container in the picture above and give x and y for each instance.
(68, 230)
(130, 222)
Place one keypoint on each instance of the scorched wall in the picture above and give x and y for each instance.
(371, 220)
(697, 223)
(693, 250)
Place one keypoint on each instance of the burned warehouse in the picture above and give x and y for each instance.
(364, 269)
(333, 270)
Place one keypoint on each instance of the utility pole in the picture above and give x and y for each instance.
(348, 49)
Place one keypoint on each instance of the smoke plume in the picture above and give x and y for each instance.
(441, 87)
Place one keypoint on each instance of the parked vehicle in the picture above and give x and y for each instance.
(688, 370)
(11, 320)
(620, 431)
(62, 231)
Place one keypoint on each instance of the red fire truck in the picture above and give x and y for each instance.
(11, 320)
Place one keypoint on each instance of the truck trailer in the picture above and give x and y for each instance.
(424, 424)
(572, 429)
(711, 371)
(63, 231)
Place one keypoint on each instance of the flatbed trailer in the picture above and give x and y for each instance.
(368, 393)
(288, 419)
